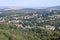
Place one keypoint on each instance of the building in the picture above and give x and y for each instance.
(49, 27)
(19, 25)
(28, 27)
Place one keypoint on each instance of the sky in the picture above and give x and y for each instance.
(30, 3)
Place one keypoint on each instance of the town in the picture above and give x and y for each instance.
(31, 20)
(29, 24)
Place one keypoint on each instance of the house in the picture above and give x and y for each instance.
(19, 25)
(52, 19)
(49, 27)
(3, 20)
(35, 15)
(26, 17)
(28, 27)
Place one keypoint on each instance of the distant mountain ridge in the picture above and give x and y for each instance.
(26, 10)
(54, 7)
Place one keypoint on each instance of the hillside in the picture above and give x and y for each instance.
(28, 34)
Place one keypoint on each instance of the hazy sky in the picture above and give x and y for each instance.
(30, 3)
